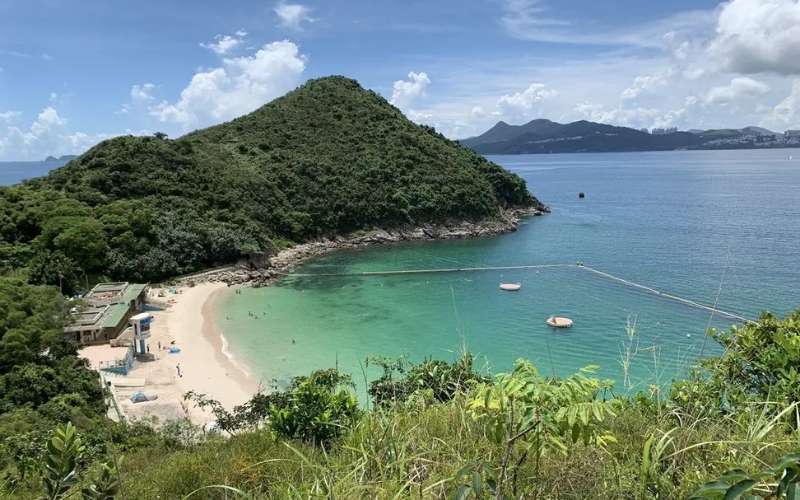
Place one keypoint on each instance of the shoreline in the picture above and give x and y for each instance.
(236, 370)
(188, 322)
(261, 270)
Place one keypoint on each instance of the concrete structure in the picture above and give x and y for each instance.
(105, 316)
(790, 134)
(141, 330)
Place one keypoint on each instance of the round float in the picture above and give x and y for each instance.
(511, 287)
(559, 322)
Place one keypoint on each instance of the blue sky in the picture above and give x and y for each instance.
(74, 73)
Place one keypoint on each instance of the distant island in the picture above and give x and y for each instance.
(545, 136)
(61, 158)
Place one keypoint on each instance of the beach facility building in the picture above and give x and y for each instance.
(109, 306)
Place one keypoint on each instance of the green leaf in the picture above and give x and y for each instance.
(464, 470)
(713, 489)
(792, 459)
(462, 493)
(788, 478)
(476, 483)
(760, 476)
(735, 475)
(793, 492)
(597, 409)
(646, 456)
(736, 491)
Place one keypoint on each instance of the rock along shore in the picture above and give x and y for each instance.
(261, 270)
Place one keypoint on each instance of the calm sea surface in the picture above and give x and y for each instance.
(707, 226)
(14, 172)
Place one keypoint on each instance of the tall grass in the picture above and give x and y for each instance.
(415, 453)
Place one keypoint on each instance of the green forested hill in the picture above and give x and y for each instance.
(329, 157)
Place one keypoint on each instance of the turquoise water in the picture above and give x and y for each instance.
(693, 224)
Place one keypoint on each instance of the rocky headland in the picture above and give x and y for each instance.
(262, 269)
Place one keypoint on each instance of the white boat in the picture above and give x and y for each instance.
(511, 287)
(559, 322)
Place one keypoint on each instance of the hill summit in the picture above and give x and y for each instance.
(325, 159)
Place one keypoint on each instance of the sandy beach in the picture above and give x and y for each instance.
(204, 368)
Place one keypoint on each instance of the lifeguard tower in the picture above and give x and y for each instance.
(141, 331)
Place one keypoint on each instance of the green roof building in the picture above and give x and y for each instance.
(109, 306)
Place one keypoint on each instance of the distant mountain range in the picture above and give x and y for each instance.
(545, 136)
(62, 158)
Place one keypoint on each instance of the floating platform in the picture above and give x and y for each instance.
(510, 287)
(559, 322)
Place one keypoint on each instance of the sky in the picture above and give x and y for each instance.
(75, 73)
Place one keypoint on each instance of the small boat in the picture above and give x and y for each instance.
(511, 287)
(559, 322)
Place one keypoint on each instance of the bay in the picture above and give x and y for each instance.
(711, 226)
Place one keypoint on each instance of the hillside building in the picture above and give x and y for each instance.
(108, 308)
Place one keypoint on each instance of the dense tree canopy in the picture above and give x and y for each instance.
(327, 158)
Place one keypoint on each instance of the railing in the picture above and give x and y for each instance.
(112, 396)
(121, 366)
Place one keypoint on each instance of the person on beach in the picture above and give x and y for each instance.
(178, 367)
(159, 345)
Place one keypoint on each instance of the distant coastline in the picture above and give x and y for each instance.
(547, 137)
(61, 158)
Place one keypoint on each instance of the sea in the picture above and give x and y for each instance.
(719, 229)
(14, 172)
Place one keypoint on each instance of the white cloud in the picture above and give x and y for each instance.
(521, 17)
(530, 20)
(47, 120)
(786, 114)
(292, 15)
(53, 97)
(47, 136)
(47, 57)
(740, 88)
(758, 36)
(225, 44)
(405, 91)
(44, 137)
(523, 104)
(643, 84)
(9, 115)
(13, 53)
(239, 86)
(142, 93)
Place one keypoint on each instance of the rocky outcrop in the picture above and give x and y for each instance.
(261, 270)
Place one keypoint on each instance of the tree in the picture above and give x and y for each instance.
(761, 362)
(317, 409)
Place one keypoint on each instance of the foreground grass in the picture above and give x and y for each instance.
(416, 453)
